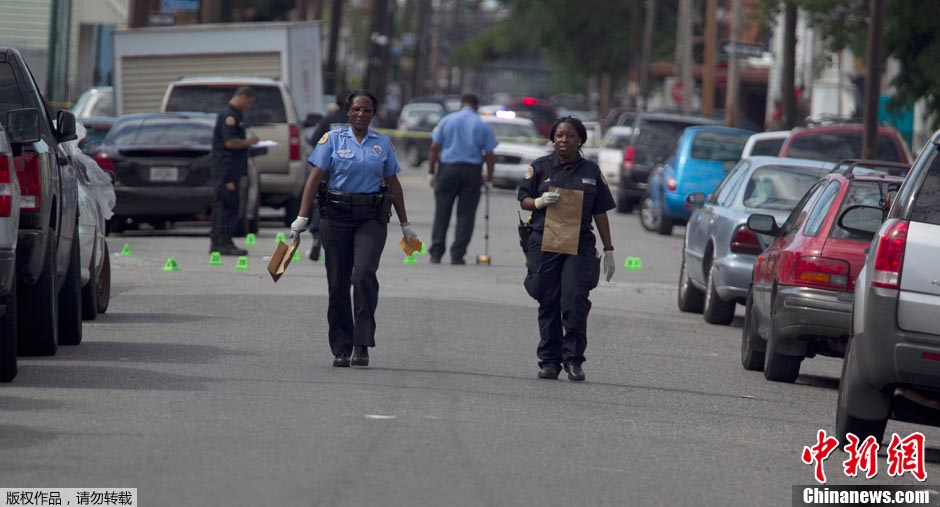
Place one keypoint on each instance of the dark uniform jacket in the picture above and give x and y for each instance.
(228, 165)
(581, 174)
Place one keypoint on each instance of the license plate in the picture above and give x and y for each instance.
(164, 174)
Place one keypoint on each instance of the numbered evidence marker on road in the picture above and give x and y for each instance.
(242, 263)
(171, 265)
(250, 240)
(633, 264)
(215, 259)
(280, 237)
(410, 259)
(126, 250)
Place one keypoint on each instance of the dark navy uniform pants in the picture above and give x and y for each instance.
(225, 211)
(461, 183)
(353, 239)
(561, 284)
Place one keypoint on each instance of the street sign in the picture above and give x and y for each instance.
(742, 49)
(676, 92)
(161, 19)
(179, 5)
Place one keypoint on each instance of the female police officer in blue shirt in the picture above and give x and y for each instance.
(362, 167)
(560, 282)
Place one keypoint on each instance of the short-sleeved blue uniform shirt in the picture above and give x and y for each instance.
(353, 167)
(463, 137)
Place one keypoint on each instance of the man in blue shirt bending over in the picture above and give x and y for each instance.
(462, 142)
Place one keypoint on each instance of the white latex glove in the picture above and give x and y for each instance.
(408, 232)
(546, 199)
(609, 265)
(298, 226)
(432, 180)
(487, 186)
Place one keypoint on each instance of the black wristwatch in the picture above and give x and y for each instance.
(611, 249)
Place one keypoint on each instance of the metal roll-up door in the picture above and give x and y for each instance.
(147, 77)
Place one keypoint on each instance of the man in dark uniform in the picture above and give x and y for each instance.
(229, 164)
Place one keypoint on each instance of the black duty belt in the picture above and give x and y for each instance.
(334, 197)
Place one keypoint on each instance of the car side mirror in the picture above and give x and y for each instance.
(65, 127)
(312, 119)
(23, 125)
(695, 199)
(862, 220)
(763, 224)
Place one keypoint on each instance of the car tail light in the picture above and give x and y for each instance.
(529, 101)
(628, 154)
(671, 184)
(104, 161)
(745, 240)
(890, 256)
(29, 174)
(294, 142)
(821, 272)
(6, 187)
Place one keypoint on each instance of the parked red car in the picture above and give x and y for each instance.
(832, 143)
(800, 300)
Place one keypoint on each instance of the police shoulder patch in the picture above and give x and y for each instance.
(324, 138)
(230, 120)
(529, 172)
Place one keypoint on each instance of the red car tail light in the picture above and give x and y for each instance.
(745, 240)
(529, 101)
(671, 184)
(104, 161)
(6, 187)
(821, 272)
(889, 258)
(294, 142)
(29, 174)
(628, 153)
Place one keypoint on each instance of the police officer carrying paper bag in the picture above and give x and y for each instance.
(355, 210)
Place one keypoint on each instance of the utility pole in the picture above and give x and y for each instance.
(138, 12)
(873, 77)
(708, 70)
(435, 52)
(788, 74)
(650, 14)
(684, 54)
(734, 82)
(210, 11)
(336, 23)
(421, 48)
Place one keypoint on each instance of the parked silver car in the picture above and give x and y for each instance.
(892, 362)
(720, 250)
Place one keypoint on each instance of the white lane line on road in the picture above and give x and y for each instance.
(379, 417)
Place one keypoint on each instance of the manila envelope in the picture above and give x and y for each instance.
(563, 223)
(410, 247)
(281, 258)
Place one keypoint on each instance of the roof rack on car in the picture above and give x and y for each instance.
(859, 167)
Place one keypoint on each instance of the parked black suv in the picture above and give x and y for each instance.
(654, 137)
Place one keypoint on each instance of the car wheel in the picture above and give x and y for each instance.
(752, 359)
(104, 283)
(8, 337)
(70, 299)
(649, 214)
(37, 313)
(291, 210)
(689, 297)
(665, 221)
(779, 367)
(413, 155)
(845, 422)
(716, 310)
(90, 295)
(625, 204)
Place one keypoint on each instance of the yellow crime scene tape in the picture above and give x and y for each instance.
(411, 134)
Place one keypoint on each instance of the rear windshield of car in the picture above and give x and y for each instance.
(767, 147)
(659, 135)
(268, 106)
(10, 97)
(926, 206)
(94, 104)
(513, 130)
(777, 187)
(866, 193)
(718, 146)
(619, 141)
(537, 114)
(836, 146)
(160, 132)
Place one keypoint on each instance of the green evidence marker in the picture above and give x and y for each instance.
(410, 259)
(126, 250)
(171, 265)
(215, 259)
(250, 240)
(280, 237)
(633, 264)
(242, 263)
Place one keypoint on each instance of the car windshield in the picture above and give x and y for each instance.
(505, 129)
(160, 132)
(268, 106)
(537, 114)
(777, 187)
(718, 146)
(767, 147)
(836, 146)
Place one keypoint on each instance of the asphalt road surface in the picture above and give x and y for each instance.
(213, 386)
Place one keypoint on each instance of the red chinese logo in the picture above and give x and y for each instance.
(907, 455)
(862, 456)
(818, 453)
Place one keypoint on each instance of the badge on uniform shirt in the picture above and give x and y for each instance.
(230, 120)
(324, 138)
(588, 181)
(529, 172)
(377, 149)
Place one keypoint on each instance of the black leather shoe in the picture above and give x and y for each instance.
(341, 361)
(230, 250)
(458, 262)
(550, 371)
(435, 260)
(360, 356)
(574, 372)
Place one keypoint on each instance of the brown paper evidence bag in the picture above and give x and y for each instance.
(281, 258)
(563, 222)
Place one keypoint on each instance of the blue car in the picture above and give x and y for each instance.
(700, 160)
